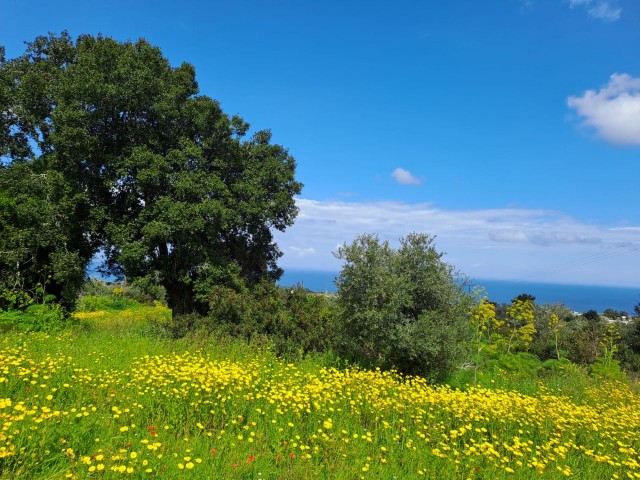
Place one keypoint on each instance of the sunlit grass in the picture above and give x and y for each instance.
(104, 401)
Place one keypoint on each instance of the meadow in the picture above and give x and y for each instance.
(110, 397)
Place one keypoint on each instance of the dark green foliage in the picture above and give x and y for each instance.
(629, 348)
(43, 247)
(181, 325)
(160, 176)
(295, 320)
(524, 297)
(543, 345)
(401, 308)
(34, 318)
(581, 339)
(305, 321)
(611, 313)
(145, 290)
(591, 315)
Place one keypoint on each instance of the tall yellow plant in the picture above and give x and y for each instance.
(485, 325)
(609, 343)
(520, 315)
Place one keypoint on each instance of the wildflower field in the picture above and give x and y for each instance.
(101, 402)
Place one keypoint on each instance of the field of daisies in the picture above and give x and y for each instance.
(108, 399)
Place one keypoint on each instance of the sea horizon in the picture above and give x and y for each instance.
(578, 297)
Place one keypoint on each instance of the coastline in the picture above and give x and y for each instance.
(579, 298)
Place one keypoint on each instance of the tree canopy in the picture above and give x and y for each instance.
(159, 177)
(402, 307)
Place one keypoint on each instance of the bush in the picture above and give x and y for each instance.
(91, 303)
(145, 290)
(35, 318)
(403, 308)
(295, 320)
(544, 342)
(607, 369)
(581, 339)
(629, 352)
(521, 363)
(142, 290)
(181, 325)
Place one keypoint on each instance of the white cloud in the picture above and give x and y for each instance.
(492, 243)
(628, 229)
(405, 177)
(606, 10)
(541, 237)
(301, 251)
(614, 110)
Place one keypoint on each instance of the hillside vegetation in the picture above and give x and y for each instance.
(199, 365)
(112, 395)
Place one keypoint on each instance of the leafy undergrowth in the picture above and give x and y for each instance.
(103, 401)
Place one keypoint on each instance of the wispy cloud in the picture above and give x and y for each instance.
(540, 236)
(405, 177)
(490, 243)
(606, 10)
(614, 110)
(302, 251)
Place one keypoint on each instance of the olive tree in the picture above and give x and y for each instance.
(402, 307)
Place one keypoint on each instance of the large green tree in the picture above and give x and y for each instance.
(43, 249)
(174, 191)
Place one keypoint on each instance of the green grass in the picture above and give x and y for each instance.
(111, 397)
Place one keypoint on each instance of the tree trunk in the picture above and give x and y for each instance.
(180, 298)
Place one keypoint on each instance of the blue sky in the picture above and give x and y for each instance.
(510, 129)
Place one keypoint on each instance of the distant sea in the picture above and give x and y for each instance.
(579, 298)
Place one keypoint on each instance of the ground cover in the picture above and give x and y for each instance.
(102, 400)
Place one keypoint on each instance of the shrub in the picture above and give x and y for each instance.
(181, 325)
(581, 338)
(92, 303)
(146, 290)
(295, 320)
(35, 318)
(300, 321)
(630, 346)
(607, 369)
(142, 290)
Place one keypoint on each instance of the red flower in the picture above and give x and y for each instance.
(214, 451)
(251, 459)
(292, 455)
